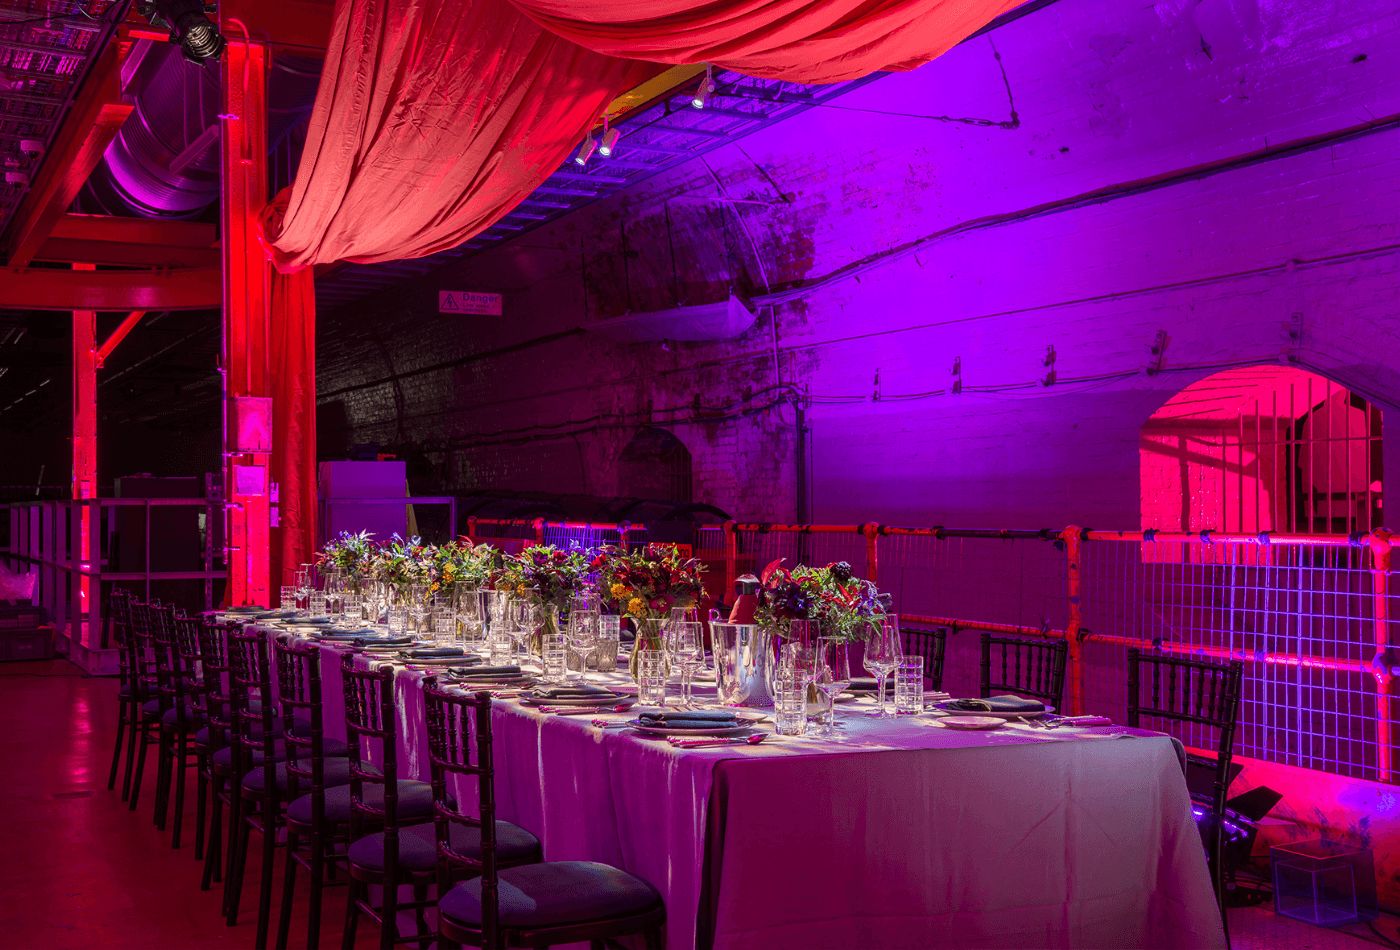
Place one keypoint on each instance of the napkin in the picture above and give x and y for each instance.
(572, 692)
(861, 684)
(246, 609)
(690, 719)
(1002, 704)
(312, 621)
(486, 672)
(433, 653)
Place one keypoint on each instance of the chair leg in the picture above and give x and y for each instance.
(117, 746)
(420, 914)
(269, 855)
(163, 763)
(201, 802)
(235, 824)
(143, 740)
(237, 860)
(289, 884)
(389, 910)
(352, 916)
(133, 735)
(213, 856)
(179, 768)
(317, 885)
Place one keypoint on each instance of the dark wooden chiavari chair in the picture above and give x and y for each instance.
(214, 753)
(377, 798)
(312, 764)
(1034, 669)
(129, 690)
(528, 905)
(148, 681)
(931, 645)
(253, 799)
(188, 713)
(1176, 689)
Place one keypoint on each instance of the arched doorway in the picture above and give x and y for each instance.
(1262, 448)
(656, 465)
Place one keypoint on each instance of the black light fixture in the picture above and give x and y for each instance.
(189, 25)
(609, 141)
(585, 151)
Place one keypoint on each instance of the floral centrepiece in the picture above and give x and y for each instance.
(351, 555)
(646, 584)
(838, 601)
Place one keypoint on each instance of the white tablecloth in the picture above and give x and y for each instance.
(908, 835)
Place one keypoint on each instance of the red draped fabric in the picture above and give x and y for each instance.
(807, 41)
(433, 120)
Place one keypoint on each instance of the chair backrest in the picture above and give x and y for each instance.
(931, 645)
(213, 659)
(119, 617)
(191, 695)
(250, 703)
(459, 743)
(1172, 688)
(1034, 669)
(143, 650)
(369, 721)
(165, 657)
(299, 699)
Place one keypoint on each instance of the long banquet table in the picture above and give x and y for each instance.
(905, 835)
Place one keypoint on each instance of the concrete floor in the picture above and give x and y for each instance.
(78, 870)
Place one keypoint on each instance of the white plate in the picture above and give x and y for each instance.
(531, 699)
(990, 714)
(745, 723)
(970, 722)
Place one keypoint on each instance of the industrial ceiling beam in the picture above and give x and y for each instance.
(130, 242)
(119, 334)
(89, 128)
(36, 288)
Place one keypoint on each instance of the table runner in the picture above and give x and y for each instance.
(908, 835)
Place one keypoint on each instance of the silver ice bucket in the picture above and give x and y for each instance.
(743, 663)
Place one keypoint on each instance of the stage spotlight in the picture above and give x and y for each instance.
(609, 142)
(189, 25)
(702, 93)
(585, 151)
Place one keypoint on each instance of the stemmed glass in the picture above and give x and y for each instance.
(686, 644)
(581, 634)
(833, 676)
(304, 587)
(335, 594)
(524, 621)
(883, 652)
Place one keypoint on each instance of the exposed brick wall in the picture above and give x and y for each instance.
(1147, 184)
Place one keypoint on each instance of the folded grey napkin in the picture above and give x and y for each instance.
(433, 653)
(485, 672)
(572, 692)
(690, 719)
(1003, 704)
(860, 684)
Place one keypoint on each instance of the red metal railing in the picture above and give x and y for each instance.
(1308, 614)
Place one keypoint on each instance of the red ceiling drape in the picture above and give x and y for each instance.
(434, 119)
(808, 41)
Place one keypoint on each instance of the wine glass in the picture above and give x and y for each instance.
(303, 584)
(581, 634)
(883, 652)
(335, 595)
(686, 644)
(833, 677)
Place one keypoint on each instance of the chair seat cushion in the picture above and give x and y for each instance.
(415, 802)
(334, 771)
(193, 719)
(418, 847)
(553, 894)
(222, 760)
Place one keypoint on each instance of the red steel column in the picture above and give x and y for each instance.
(247, 273)
(84, 483)
(1073, 537)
